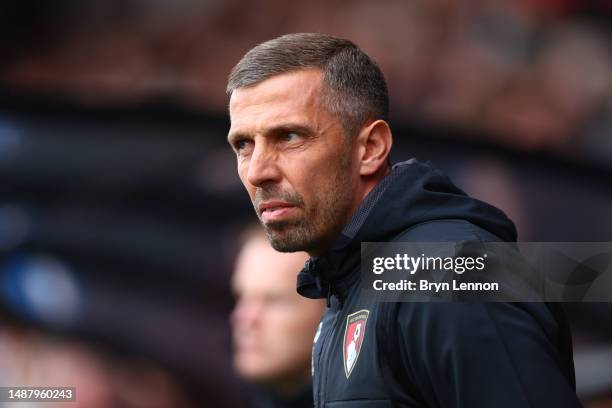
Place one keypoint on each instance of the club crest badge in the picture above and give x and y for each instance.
(353, 339)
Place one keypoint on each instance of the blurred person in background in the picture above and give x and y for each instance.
(272, 325)
(33, 358)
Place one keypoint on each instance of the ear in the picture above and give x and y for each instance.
(374, 142)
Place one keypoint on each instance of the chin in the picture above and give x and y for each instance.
(291, 238)
(286, 241)
(283, 246)
(254, 371)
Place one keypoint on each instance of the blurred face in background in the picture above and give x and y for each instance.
(294, 160)
(32, 358)
(273, 326)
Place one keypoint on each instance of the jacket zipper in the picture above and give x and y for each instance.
(324, 351)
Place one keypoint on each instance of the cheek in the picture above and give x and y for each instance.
(320, 188)
(281, 318)
(313, 183)
(287, 341)
(291, 324)
(243, 171)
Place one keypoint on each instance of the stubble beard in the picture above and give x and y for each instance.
(320, 224)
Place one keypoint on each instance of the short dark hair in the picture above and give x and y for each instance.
(354, 87)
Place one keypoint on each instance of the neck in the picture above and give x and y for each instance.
(290, 385)
(367, 184)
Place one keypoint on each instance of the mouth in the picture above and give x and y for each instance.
(275, 210)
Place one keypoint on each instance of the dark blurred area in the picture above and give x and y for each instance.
(119, 199)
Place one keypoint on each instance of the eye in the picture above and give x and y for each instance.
(290, 136)
(241, 145)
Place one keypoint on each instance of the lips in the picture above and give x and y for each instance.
(273, 206)
(275, 210)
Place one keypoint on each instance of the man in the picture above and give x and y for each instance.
(309, 128)
(272, 325)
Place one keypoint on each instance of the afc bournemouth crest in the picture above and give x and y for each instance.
(353, 339)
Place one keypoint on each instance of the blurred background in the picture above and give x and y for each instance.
(119, 199)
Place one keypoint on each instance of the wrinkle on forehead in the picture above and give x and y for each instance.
(290, 97)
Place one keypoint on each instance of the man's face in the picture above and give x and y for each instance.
(272, 325)
(294, 160)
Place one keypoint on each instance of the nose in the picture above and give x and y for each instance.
(245, 315)
(263, 166)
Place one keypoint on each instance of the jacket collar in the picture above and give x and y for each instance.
(414, 193)
(334, 272)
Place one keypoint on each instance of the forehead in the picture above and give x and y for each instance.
(261, 269)
(286, 95)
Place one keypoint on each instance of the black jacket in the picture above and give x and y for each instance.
(259, 396)
(466, 355)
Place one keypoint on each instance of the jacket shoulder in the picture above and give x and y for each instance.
(445, 230)
(481, 354)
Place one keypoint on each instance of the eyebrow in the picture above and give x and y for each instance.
(282, 128)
